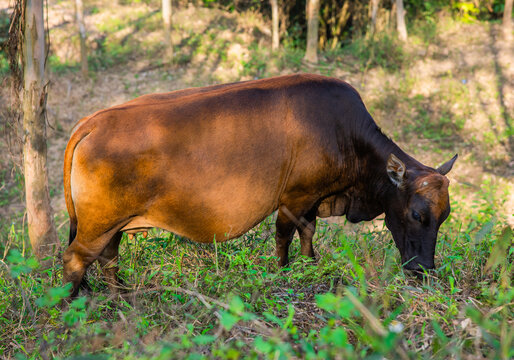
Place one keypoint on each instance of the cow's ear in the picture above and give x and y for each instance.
(447, 166)
(396, 170)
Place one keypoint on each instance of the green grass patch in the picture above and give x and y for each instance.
(4, 64)
(12, 184)
(383, 50)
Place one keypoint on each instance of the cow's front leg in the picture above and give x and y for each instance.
(306, 231)
(285, 231)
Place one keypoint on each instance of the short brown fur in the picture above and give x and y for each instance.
(434, 188)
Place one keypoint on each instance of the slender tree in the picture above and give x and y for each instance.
(507, 15)
(274, 22)
(340, 22)
(312, 11)
(374, 11)
(79, 9)
(400, 20)
(166, 18)
(42, 233)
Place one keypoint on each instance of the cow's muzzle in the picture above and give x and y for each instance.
(418, 268)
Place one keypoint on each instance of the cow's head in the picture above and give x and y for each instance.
(415, 209)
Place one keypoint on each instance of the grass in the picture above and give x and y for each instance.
(383, 50)
(231, 301)
(4, 64)
(11, 185)
(439, 116)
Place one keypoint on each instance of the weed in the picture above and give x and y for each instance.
(61, 66)
(425, 31)
(4, 64)
(12, 186)
(383, 50)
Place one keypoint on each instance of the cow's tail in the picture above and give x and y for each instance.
(79, 133)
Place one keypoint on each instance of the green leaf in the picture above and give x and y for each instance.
(17, 270)
(19, 265)
(228, 320)
(290, 315)
(499, 249)
(203, 339)
(439, 332)
(485, 230)
(326, 301)
(236, 305)
(339, 337)
(345, 308)
(247, 316)
(54, 295)
(79, 304)
(15, 257)
(72, 316)
(262, 345)
(335, 304)
(195, 356)
(273, 318)
(308, 349)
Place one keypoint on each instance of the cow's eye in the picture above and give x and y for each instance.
(416, 216)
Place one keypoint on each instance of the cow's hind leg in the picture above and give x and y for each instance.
(108, 260)
(80, 254)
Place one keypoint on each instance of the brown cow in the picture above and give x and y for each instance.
(215, 161)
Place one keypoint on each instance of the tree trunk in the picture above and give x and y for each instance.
(343, 17)
(400, 20)
(42, 233)
(374, 10)
(79, 8)
(507, 15)
(311, 52)
(166, 18)
(274, 21)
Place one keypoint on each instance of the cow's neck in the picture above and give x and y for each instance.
(371, 170)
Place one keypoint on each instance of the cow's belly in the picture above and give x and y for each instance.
(223, 210)
(202, 202)
(202, 219)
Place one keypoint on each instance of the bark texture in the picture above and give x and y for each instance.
(79, 8)
(374, 11)
(507, 15)
(42, 233)
(166, 18)
(400, 20)
(275, 38)
(312, 10)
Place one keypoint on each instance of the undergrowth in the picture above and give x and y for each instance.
(230, 300)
